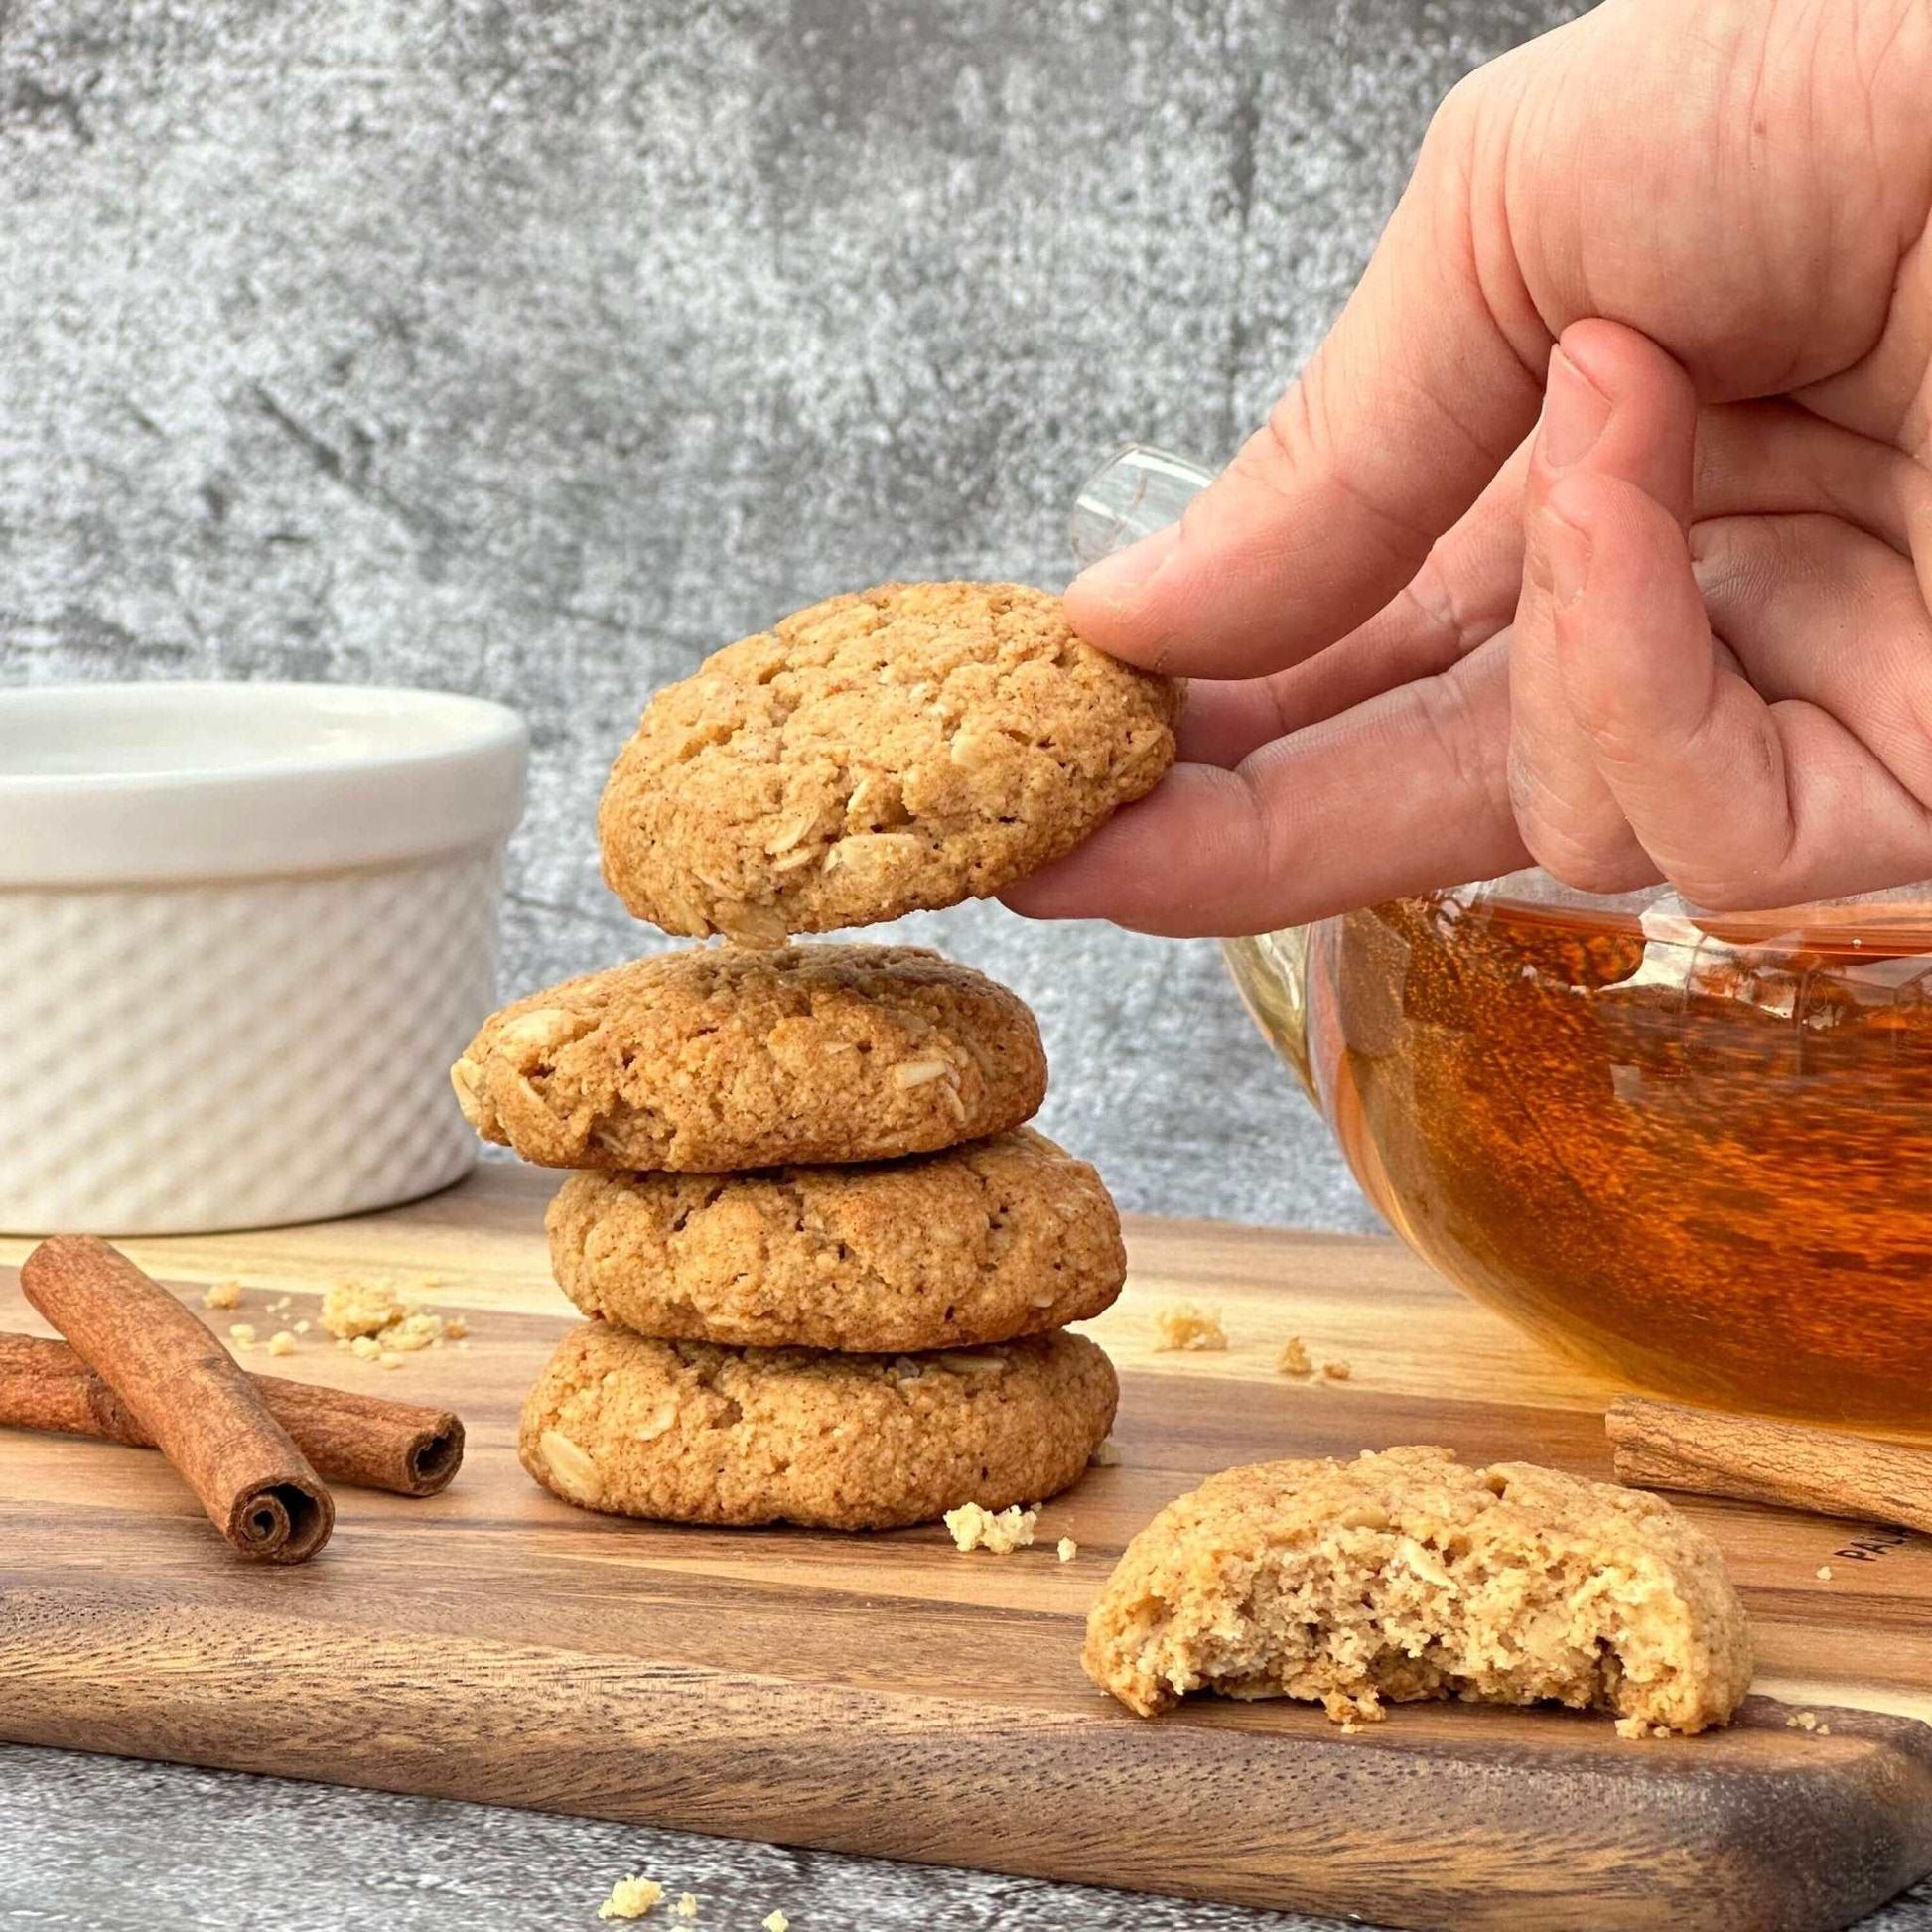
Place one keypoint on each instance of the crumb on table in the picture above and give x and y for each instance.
(354, 1307)
(778, 1922)
(223, 1294)
(1336, 1371)
(417, 1330)
(1185, 1326)
(1824, 1572)
(1068, 1549)
(281, 1343)
(999, 1531)
(1353, 1708)
(1635, 1728)
(1294, 1358)
(241, 1331)
(381, 1326)
(630, 1897)
(686, 1906)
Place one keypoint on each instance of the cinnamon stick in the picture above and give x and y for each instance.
(187, 1393)
(359, 1440)
(1670, 1445)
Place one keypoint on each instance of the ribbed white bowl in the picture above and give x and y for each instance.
(244, 929)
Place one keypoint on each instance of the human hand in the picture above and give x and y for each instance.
(1679, 627)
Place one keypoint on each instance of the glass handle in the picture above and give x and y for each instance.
(1136, 492)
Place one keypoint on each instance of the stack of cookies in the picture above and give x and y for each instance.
(828, 1267)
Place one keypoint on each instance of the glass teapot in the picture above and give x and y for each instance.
(1693, 1151)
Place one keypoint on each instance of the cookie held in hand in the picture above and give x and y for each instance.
(886, 751)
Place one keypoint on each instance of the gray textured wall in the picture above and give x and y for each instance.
(535, 349)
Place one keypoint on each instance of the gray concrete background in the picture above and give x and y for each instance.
(535, 349)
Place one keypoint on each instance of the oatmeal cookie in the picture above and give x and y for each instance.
(689, 1432)
(714, 1060)
(999, 1238)
(891, 750)
(1405, 1574)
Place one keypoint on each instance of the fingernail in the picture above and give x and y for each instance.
(1575, 411)
(1568, 550)
(1119, 578)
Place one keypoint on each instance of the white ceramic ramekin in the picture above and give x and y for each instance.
(244, 929)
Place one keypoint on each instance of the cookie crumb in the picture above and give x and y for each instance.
(352, 1307)
(1336, 1371)
(453, 1330)
(1802, 1720)
(1352, 1709)
(417, 1330)
(1068, 1549)
(999, 1531)
(686, 1906)
(1294, 1358)
(243, 1331)
(1824, 1572)
(778, 1922)
(281, 1343)
(223, 1294)
(631, 1897)
(379, 1324)
(1185, 1326)
(1106, 1457)
(302, 1327)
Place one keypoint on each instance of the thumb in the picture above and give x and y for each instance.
(1403, 414)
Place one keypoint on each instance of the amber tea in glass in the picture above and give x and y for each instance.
(1698, 1152)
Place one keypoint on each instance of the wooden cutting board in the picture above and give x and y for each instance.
(888, 1695)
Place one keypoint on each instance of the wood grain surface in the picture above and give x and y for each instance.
(888, 1695)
